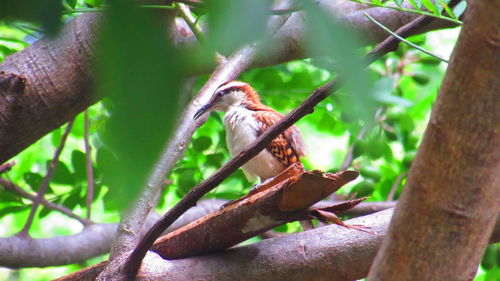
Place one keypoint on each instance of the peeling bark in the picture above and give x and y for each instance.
(326, 253)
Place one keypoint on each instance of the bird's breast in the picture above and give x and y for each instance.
(241, 130)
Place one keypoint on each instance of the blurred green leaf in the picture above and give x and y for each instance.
(140, 74)
(328, 37)
(34, 180)
(202, 143)
(78, 160)
(215, 159)
(430, 6)
(44, 212)
(489, 257)
(364, 188)
(71, 3)
(12, 210)
(47, 13)
(94, 3)
(62, 174)
(186, 179)
(421, 78)
(232, 24)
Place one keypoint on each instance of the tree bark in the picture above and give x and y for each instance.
(326, 253)
(444, 218)
(93, 240)
(49, 82)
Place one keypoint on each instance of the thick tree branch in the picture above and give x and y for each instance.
(49, 82)
(326, 253)
(133, 262)
(93, 240)
(451, 202)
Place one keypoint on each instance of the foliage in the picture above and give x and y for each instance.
(438, 8)
(395, 98)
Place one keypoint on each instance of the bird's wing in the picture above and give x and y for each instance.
(288, 147)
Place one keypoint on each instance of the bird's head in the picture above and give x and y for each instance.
(230, 94)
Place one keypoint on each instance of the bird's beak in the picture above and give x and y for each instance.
(202, 110)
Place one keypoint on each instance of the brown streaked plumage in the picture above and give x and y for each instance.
(245, 120)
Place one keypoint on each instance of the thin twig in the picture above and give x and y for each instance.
(132, 264)
(45, 183)
(349, 157)
(17, 189)
(395, 186)
(88, 164)
(404, 40)
(185, 14)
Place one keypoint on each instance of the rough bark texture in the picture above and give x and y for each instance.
(447, 211)
(58, 74)
(56, 85)
(326, 253)
(251, 216)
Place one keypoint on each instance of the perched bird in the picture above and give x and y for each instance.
(245, 119)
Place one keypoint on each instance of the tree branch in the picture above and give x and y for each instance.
(229, 70)
(60, 70)
(92, 241)
(17, 189)
(133, 262)
(319, 254)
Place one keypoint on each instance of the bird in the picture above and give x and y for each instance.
(245, 119)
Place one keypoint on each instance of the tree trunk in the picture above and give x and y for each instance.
(447, 211)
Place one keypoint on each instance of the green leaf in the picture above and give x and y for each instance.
(94, 3)
(78, 160)
(421, 78)
(71, 3)
(447, 9)
(202, 143)
(33, 179)
(185, 179)
(460, 8)
(329, 37)
(44, 212)
(430, 6)
(232, 24)
(417, 4)
(215, 160)
(11, 210)
(398, 2)
(489, 257)
(140, 74)
(62, 174)
(72, 200)
(364, 188)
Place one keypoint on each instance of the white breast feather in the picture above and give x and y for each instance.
(241, 130)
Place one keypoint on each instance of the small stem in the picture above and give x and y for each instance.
(88, 162)
(395, 186)
(45, 184)
(404, 40)
(185, 14)
(17, 189)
